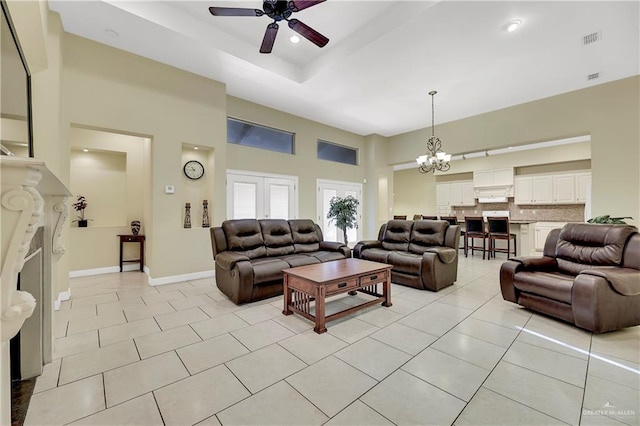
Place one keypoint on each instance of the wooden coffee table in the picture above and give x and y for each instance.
(304, 284)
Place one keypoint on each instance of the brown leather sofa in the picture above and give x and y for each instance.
(424, 253)
(250, 254)
(589, 275)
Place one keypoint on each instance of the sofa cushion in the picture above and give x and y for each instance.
(581, 246)
(397, 235)
(375, 255)
(552, 285)
(326, 256)
(427, 233)
(306, 235)
(245, 235)
(295, 260)
(406, 262)
(277, 236)
(268, 269)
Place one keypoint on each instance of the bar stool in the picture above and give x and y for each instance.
(499, 230)
(453, 220)
(429, 217)
(400, 217)
(474, 229)
(417, 216)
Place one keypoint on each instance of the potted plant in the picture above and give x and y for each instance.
(344, 212)
(608, 219)
(79, 206)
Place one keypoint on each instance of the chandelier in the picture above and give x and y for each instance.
(435, 158)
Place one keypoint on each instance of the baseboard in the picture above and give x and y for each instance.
(180, 278)
(62, 296)
(105, 270)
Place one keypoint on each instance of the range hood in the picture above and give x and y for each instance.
(493, 186)
(493, 195)
(492, 200)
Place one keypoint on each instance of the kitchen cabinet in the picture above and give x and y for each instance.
(443, 199)
(563, 188)
(493, 177)
(461, 194)
(541, 231)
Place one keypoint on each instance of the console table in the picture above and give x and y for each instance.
(132, 239)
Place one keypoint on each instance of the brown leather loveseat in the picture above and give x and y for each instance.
(589, 276)
(424, 253)
(250, 254)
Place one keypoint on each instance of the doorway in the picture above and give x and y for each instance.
(261, 196)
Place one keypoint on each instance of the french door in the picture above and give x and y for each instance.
(328, 189)
(261, 196)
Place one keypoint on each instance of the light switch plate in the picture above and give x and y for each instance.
(169, 189)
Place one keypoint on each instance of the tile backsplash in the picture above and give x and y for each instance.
(542, 213)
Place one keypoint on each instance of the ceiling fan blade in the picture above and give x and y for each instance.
(309, 33)
(298, 5)
(269, 38)
(234, 11)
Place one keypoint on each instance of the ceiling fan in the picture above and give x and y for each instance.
(278, 10)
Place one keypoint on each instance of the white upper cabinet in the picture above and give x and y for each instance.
(565, 188)
(494, 177)
(462, 193)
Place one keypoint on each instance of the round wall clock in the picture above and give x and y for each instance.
(193, 169)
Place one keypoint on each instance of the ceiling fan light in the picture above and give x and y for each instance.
(513, 25)
(294, 39)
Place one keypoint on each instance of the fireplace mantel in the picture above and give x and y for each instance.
(31, 197)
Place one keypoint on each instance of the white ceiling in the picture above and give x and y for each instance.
(383, 57)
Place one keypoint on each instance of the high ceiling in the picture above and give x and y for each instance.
(383, 57)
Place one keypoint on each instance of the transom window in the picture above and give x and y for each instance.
(256, 136)
(334, 152)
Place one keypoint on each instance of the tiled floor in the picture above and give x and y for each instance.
(127, 353)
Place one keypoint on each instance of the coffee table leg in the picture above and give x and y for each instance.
(386, 292)
(287, 296)
(320, 318)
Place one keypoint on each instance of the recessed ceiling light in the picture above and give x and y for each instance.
(513, 25)
(85, 150)
(112, 33)
(195, 147)
(294, 39)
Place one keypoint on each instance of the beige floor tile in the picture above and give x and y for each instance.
(615, 370)
(190, 301)
(164, 341)
(162, 297)
(67, 403)
(131, 293)
(372, 357)
(138, 411)
(350, 329)
(445, 310)
(557, 336)
(120, 305)
(405, 338)
(379, 316)
(483, 330)
(217, 350)
(424, 297)
(264, 367)
(49, 377)
(612, 400)
(140, 312)
(218, 309)
(279, 404)
(358, 414)
(128, 331)
(77, 302)
(405, 399)
(136, 379)
(331, 384)
(622, 344)
(60, 326)
(453, 375)
(75, 343)
(176, 319)
(262, 334)
(216, 326)
(95, 361)
(93, 323)
(510, 318)
(295, 323)
(311, 347)
(259, 313)
(197, 291)
(490, 408)
(203, 282)
(77, 313)
(209, 421)
(173, 287)
(462, 301)
(547, 362)
(200, 396)
(476, 351)
(550, 396)
(429, 323)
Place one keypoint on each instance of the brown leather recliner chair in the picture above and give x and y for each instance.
(589, 276)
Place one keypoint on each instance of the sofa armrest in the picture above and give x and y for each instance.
(533, 263)
(445, 254)
(625, 281)
(365, 244)
(336, 246)
(228, 259)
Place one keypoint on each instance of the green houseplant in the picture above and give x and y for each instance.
(343, 211)
(608, 219)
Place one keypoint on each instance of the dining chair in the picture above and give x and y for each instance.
(400, 217)
(474, 228)
(429, 217)
(417, 216)
(453, 220)
(499, 230)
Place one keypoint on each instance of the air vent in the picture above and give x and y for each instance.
(593, 76)
(592, 38)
